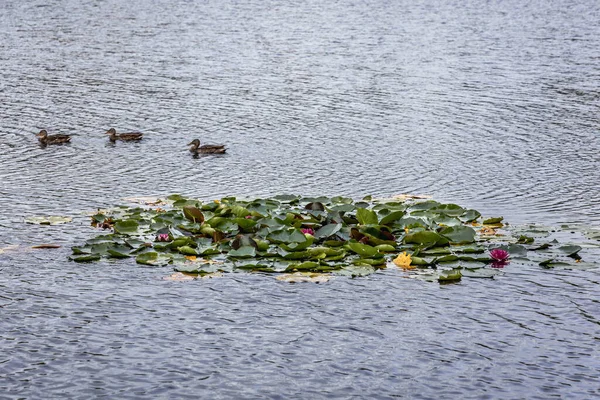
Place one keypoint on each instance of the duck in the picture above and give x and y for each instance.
(52, 139)
(126, 137)
(207, 148)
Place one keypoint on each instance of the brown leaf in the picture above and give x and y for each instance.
(46, 246)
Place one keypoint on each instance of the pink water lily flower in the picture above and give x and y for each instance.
(163, 237)
(308, 231)
(499, 254)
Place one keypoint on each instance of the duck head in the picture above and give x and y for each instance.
(194, 143)
(42, 135)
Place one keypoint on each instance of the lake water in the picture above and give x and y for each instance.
(491, 105)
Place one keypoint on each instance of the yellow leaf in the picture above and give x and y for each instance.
(403, 261)
(486, 230)
(179, 277)
(191, 258)
(217, 274)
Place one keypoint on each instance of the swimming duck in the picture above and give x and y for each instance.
(52, 139)
(126, 137)
(207, 148)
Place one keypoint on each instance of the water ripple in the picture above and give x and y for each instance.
(494, 107)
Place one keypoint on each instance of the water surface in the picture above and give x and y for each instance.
(491, 105)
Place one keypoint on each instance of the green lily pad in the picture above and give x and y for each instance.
(243, 252)
(287, 236)
(187, 250)
(426, 237)
(87, 258)
(459, 234)
(570, 250)
(366, 217)
(450, 276)
(327, 230)
(363, 250)
(480, 272)
(493, 221)
(470, 216)
(392, 217)
(126, 227)
(153, 258)
(264, 235)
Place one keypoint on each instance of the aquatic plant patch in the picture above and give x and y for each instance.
(303, 236)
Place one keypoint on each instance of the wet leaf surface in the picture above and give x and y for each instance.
(292, 234)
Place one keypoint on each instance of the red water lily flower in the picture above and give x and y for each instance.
(499, 254)
(163, 237)
(308, 231)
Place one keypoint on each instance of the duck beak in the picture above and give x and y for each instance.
(191, 143)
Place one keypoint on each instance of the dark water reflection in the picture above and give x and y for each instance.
(493, 106)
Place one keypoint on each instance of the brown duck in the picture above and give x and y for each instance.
(52, 139)
(126, 137)
(207, 148)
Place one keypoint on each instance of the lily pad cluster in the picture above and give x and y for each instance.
(291, 234)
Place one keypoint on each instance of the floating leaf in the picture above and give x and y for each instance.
(525, 239)
(153, 258)
(426, 237)
(570, 250)
(88, 258)
(287, 236)
(187, 250)
(119, 252)
(305, 266)
(126, 227)
(44, 246)
(480, 272)
(356, 271)
(448, 258)
(286, 198)
(298, 277)
(327, 230)
(450, 276)
(364, 250)
(385, 248)
(369, 261)
(146, 200)
(366, 217)
(349, 238)
(193, 214)
(470, 215)
(451, 210)
(180, 277)
(51, 220)
(243, 252)
(493, 221)
(392, 217)
(459, 234)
